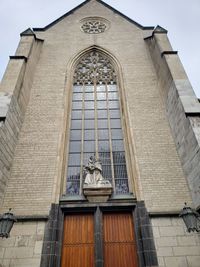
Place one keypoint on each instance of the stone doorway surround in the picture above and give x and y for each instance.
(52, 246)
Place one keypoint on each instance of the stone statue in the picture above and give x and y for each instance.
(94, 173)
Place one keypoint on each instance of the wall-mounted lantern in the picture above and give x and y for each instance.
(191, 219)
(6, 223)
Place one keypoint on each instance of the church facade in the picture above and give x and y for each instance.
(100, 145)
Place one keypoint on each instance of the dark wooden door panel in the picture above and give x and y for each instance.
(78, 241)
(119, 240)
(78, 256)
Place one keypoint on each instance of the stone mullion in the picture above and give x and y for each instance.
(96, 119)
(82, 140)
(110, 140)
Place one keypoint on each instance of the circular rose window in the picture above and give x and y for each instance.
(93, 25)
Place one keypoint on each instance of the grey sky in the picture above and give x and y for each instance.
(180, 17)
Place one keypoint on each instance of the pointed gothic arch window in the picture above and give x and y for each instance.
(95, 128)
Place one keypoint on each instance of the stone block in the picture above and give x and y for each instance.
(40, 228)
(39, 237)
(197, 238)
(190, 104)
(165, 251)
(38, 247)
(193, 261)
(7, 242)
(161, 222)
(5, 263)
(2, 250)
(171, 231)
(18, 253)
(166, 241)
(177, 221)
(32, 241)
(24, 229)
(176, 262)
(156, 232)
(161, 262)
(22, 241)
(25, 262)
(186, 251)
(186, 240)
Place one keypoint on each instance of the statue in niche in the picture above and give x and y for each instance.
(94, 173)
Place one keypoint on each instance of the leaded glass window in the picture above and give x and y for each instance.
(96, 128)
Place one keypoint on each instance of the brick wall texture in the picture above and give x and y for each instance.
(15, 89)
(158, 107)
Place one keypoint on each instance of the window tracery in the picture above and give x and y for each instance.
(94, 67)
(96, 128)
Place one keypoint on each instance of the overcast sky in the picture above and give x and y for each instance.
(180, 17)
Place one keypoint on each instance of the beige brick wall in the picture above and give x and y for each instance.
(175, 246)
(37, 167)
(16, 84)
(24, 246)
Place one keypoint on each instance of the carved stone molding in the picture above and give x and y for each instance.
(97, 193)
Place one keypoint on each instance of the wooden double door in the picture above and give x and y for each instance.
(119, 248)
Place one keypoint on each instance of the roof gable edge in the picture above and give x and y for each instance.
(125, 17)
(62, 17)
(101, 2)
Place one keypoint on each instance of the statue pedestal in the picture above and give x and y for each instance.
(97, 193)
